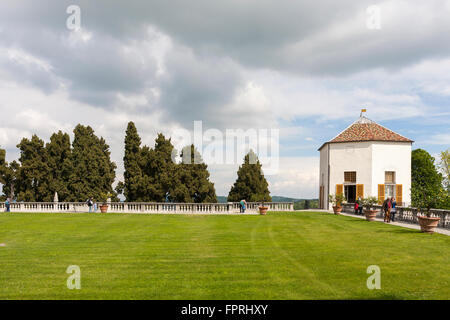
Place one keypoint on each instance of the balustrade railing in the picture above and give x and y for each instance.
(408, 215)
(146, 207)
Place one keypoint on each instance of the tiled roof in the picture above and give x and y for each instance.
(365, 129)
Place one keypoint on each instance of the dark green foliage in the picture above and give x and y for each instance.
(34, 171)
(132, 164)
(92, 171)
(307, 204)
(85, 170)
(426, 181)
(153, 175)
(250, 184)
(119, 187)
(8, 174)
(60, 165)
(160, 171)
(192, 178)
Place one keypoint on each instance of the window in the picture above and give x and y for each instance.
(389, 191)
(350, 177)
(389, 181)
(389, 177)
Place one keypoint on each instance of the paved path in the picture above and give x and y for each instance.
(400, 224)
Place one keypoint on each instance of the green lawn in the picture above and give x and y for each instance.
(299, 255)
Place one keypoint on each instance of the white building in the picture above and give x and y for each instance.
(366, 159)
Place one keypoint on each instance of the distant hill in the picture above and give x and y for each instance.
(222, 199)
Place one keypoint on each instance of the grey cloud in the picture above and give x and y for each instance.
(196, 87)
(260, 33)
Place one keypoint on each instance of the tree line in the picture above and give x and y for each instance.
(84, 169)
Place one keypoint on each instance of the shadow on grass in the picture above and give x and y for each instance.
(402, 230)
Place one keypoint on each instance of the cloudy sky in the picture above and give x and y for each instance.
(305, 68)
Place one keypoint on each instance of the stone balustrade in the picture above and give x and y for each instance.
(147, 207)
(408, 215)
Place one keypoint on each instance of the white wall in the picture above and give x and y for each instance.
(351, 156)
(323, 175)
(392, 156)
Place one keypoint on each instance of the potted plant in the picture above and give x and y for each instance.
(425, 198)
(337, 201)
(262, 207)
(104, 198)
(369, 210)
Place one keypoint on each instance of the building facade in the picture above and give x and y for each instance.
(366, 159)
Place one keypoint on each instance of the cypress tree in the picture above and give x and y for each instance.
(93, 172)
(250, 184)
(33, 173)
(192, 177)
(59, 161)
(160, 170)
(132, 164)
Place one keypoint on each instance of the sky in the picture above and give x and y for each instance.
(304, 68)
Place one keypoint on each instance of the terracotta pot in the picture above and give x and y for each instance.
(103, 208)
(263, 210)
(337, 209)
(370, 214)
(428, 224)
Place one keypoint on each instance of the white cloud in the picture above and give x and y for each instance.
(441, 139)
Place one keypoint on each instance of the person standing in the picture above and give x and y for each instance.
(389, 210)
(243, 205)
(8, 205)
(90, 204)
(360, 205)
(386, 209)
(356, 207)
(393, 209)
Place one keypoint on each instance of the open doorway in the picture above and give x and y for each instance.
(350, 193)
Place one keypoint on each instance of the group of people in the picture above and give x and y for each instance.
(358, 206)
(389, 208)
(91, 204)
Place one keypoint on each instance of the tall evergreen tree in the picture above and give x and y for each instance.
(59, 161)
(8, 175)
(3, 165)
(131, 160)
(192, 178)
(426, 181)
(93, 171)
(32, 176)
(250, 184)
(160, 170)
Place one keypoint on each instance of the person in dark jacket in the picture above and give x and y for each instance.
(393, 209)
(90, 203)
(386, 210)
